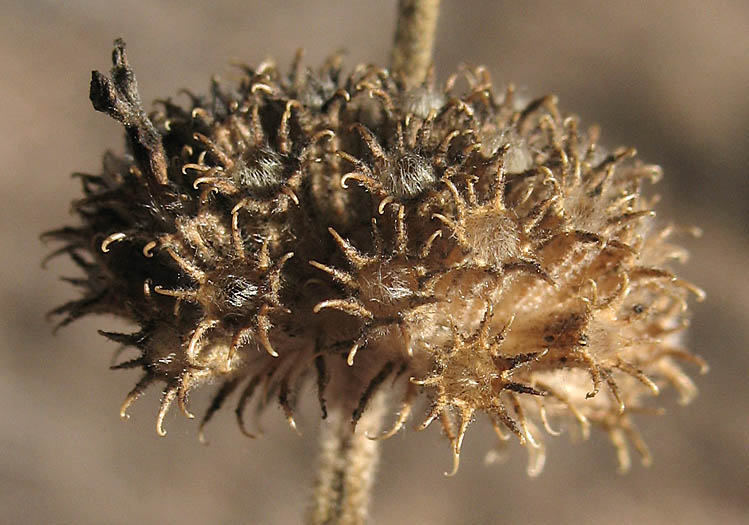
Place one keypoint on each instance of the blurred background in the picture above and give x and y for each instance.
(670, 78)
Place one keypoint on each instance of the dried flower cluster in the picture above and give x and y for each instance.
(347, 230)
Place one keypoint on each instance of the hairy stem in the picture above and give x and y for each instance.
(346, 470)
(414, 40)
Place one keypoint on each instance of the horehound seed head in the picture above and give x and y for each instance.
(348, 230)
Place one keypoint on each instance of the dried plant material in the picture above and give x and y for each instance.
(345, 230)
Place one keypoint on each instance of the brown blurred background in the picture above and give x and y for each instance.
(670, 78)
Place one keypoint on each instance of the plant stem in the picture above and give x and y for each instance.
(346, 469)
(414, 40)
(348, 458)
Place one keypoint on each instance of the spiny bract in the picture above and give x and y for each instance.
(479, 248)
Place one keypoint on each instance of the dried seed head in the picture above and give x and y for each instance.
(484, 253)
